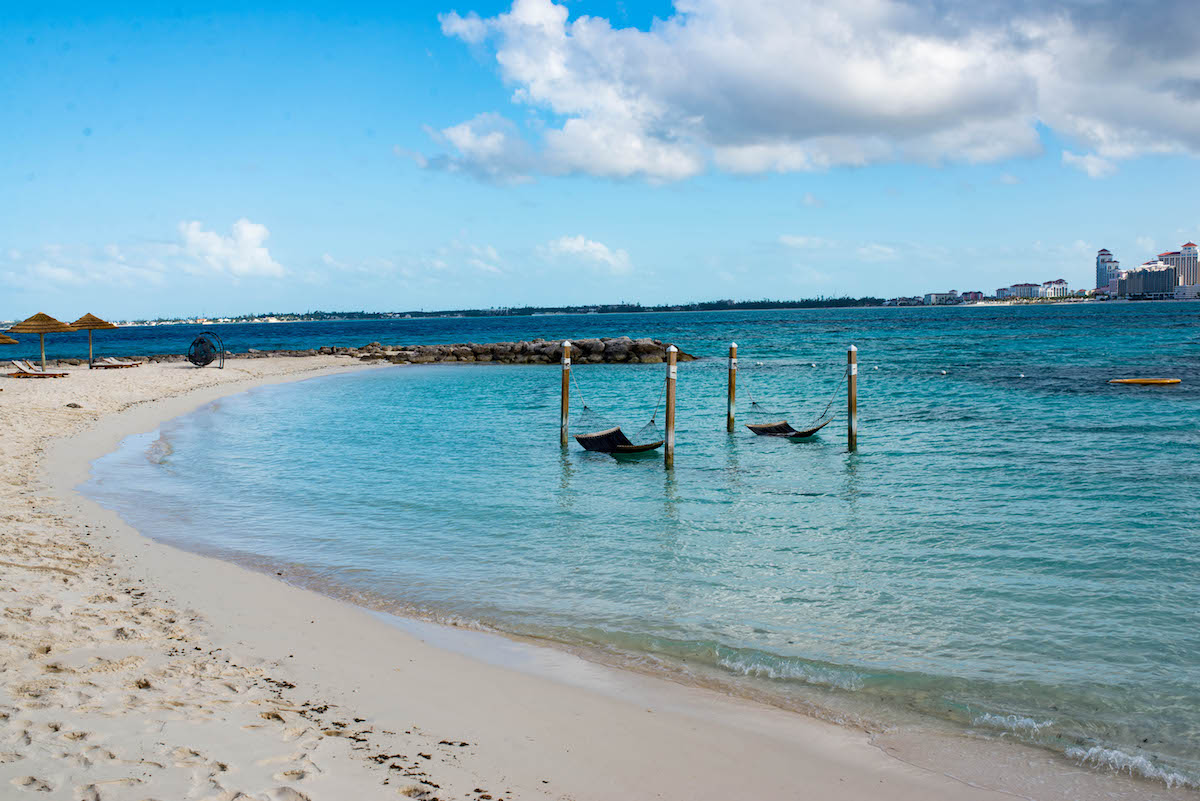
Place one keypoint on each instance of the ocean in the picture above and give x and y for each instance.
(1013, 551)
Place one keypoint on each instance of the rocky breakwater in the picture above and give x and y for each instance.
(615, 350)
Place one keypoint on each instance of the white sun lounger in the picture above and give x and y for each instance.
(108, 362)
(26, 370)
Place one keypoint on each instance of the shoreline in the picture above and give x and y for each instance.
(581, 731)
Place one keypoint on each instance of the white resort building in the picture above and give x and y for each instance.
(941, 298)
(1018, 291)
(1184, 262)
(1057, 288)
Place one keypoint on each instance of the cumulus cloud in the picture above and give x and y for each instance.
(792, 85)
(240, 254)
(593, 252)
(1093, 165)
(198, 252)
(488, 146)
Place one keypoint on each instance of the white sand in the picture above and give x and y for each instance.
(132, 670)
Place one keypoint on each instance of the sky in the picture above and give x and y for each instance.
(172, 160)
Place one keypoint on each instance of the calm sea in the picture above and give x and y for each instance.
(1013, 550)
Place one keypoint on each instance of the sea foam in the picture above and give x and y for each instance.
(1122, 762)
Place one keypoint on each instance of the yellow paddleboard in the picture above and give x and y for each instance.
(1144, 381)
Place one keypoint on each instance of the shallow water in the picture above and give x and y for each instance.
(1008, 554)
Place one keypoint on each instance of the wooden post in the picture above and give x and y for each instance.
(566, 392)
(852, 398)
(90, 358)
(42, 336)
(672, 370)
(732, 385)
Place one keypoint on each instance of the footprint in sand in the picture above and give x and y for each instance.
(32, 783)
(286, 794)
(187, 758)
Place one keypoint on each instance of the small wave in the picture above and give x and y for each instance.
(792, 670)
(1013, 723)
(1122, 762)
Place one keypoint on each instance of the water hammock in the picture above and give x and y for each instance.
(782, 428)
(607, 438)
(613, 440)
(1145, 381)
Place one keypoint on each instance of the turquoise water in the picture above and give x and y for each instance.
(1012, 555)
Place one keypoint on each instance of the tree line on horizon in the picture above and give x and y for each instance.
(529, 311)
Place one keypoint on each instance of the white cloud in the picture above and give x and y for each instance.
(240, 254)
(589, 250)
(1009, 179)
(484, 266)
(61, 266)
(812, 201)
(488, 147)
(877, 252)
(805, 242)
(199, 252)
(1095, 166)
(793, 85)
(1146, 244)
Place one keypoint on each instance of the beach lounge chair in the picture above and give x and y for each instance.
(108, 363)
(25, 370)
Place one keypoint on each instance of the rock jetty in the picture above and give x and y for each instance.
(610, 350)
(538, 351)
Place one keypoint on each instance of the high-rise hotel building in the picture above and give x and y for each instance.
(1184, 262)
(1107, 269)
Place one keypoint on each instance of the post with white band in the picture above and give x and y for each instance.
(732, 385)
(852, 399)
(566, 392)
(672, 370)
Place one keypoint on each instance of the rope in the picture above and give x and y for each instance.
(829, 405)
(661, 393)
(588, 410)
(832, 396)
(578, 391)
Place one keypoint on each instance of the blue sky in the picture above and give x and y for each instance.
(398, 156)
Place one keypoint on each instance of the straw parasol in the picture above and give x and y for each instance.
(41, 324)
(91, 322)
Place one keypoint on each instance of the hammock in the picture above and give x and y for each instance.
(607, 438)
(613, 440)
(782, 428)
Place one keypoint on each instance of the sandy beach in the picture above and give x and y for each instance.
(133, 670)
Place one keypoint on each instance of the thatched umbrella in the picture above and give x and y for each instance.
(7, 340)
(41, 324)
(91, 322)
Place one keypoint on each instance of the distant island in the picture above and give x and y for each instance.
(525, 311)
